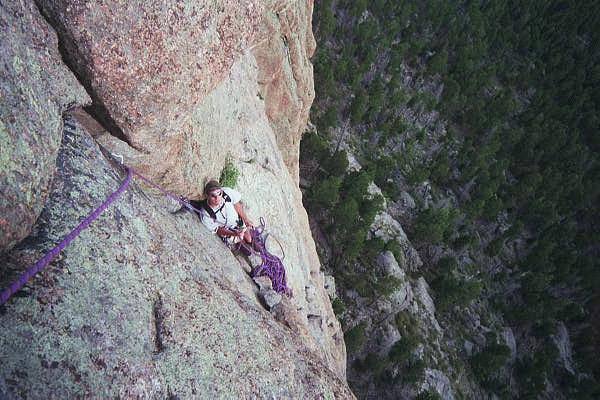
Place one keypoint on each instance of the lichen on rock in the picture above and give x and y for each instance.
(146, 303)
(143, 304)
(35, 89)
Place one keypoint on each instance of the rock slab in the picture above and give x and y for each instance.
(133, 308)
(35, 88)
(149, 63)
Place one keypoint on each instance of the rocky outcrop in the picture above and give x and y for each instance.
(425, 307)
(231, 124)
(437, 381)
(509, 339)
(149, 63)
(286, 73)
(387, 228)
(155, 277)
(35, 88)
(563, 344)
(149, 66)
(143, 304)
(397, 346)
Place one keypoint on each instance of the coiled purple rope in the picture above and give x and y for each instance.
(272, 266)
(44, 261)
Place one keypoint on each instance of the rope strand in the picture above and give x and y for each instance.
(178, 199)
(272, 266)
(51, 255)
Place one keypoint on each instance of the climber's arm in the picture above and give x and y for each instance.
(239, 207)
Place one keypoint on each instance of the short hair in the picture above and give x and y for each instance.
(211, 186)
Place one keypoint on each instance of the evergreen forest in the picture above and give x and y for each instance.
(492, 109)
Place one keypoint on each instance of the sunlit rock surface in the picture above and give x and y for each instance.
(143, 304)
(146, 303)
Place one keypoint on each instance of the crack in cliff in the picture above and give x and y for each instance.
(159, 316)
(97, 109)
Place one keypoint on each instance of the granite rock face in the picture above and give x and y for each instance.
(149, 63)
(139, 304)
(143, 304)
(35, 88)
(149, 66)
(286, 73)
(231, 124)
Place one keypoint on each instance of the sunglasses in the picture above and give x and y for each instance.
(215, 194)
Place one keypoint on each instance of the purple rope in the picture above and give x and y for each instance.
(44, 261)
(272, 266)
(178, 199)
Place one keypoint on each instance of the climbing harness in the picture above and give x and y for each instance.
(271, 266)
(212, 213)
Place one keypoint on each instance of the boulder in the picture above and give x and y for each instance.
(509, 339)
(563, 344)
(263, 282)
(424, 307)
(36, 88)
(387, 228)
(148, 64)
(437, 381)
(268, 296)
(388, 266)
(271, 298)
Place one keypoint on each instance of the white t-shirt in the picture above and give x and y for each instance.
(225, 213)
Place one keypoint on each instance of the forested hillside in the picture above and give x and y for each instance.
(487, 113)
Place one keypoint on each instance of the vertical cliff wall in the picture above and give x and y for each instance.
(147, 303)
(286, 73)
(35, 88)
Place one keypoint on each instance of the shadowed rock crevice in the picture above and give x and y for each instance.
(159, 324)
(97, 109)
(36, 88)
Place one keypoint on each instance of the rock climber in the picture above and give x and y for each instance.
(223, 213)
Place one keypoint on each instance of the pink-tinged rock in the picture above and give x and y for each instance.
(286, 73)
(147, 64)
(35, 88)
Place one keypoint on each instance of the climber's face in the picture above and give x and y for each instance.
(215, 197)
